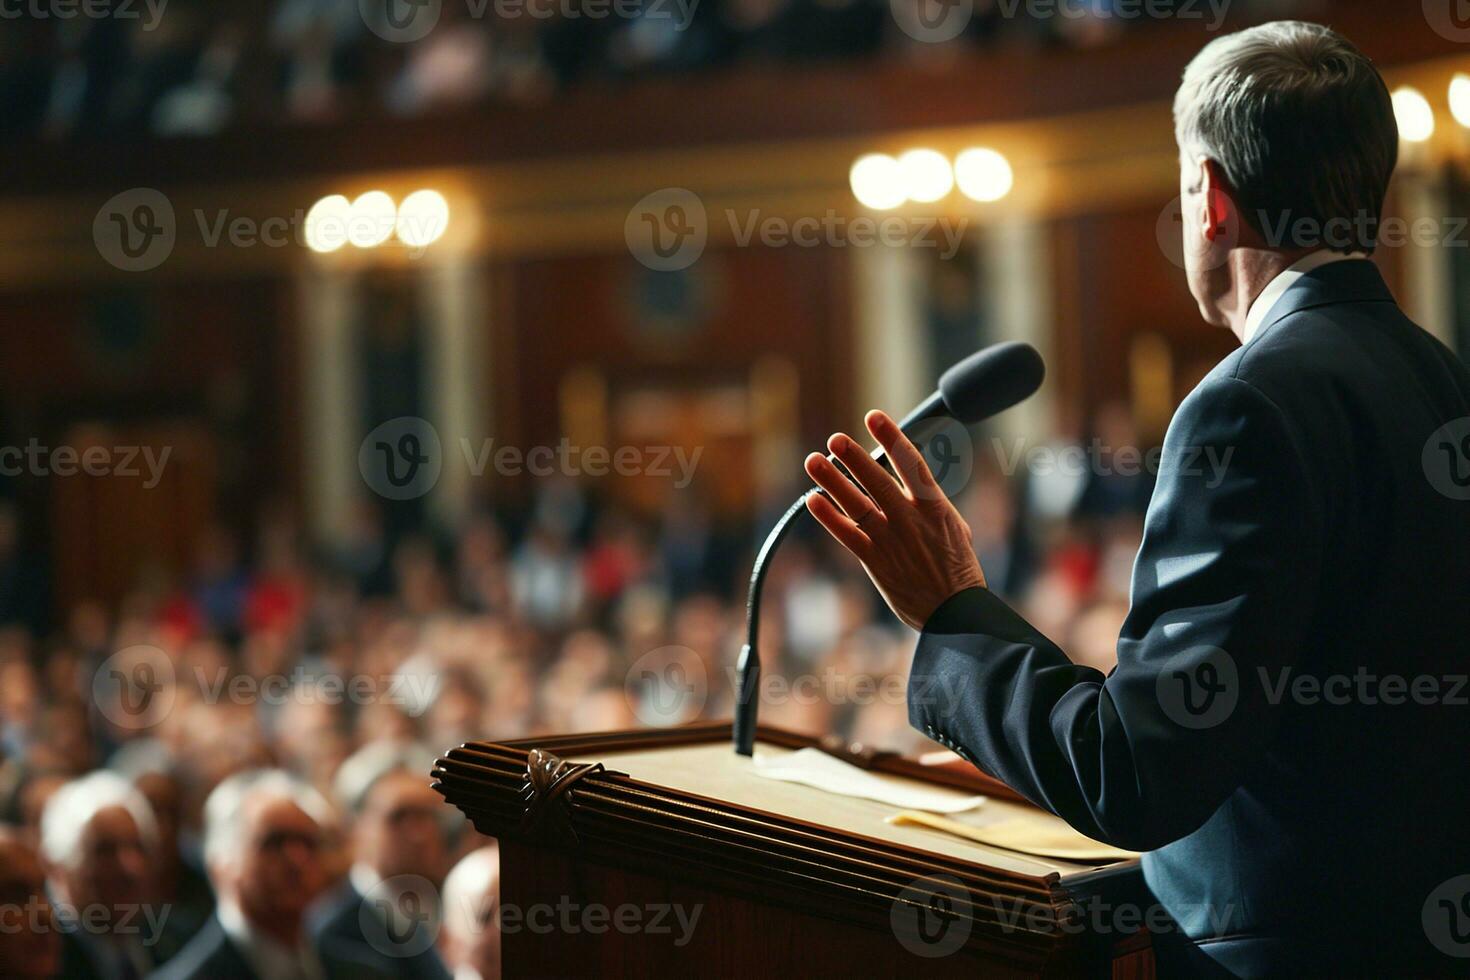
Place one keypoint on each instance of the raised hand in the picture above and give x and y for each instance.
(911, 540)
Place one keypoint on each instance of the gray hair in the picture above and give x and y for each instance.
(224, 810)
(74, 806)
(360, 772)
(470, 893)
(1301, 124)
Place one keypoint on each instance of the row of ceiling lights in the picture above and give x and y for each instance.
(1415, 115)
(371, 218)
(882, 182)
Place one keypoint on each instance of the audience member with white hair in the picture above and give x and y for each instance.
(401, 854)
(265, 836)
(98, 838)
(469, 939)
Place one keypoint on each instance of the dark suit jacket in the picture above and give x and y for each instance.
(87, 957)
(210, 955)
(78, 962)
(1302, 803)
(336, 924)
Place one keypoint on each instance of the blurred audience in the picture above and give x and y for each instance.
(272, 678)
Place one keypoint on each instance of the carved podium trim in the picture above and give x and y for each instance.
(548, 797)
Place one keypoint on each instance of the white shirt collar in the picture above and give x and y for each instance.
(388, 893)
(266, 956)
(364, 877)
(1256, 315)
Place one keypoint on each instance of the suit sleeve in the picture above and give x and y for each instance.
(1222, 594)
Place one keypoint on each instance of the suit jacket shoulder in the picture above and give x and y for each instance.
(208, 956)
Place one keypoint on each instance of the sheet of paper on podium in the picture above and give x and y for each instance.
(938, 808)
(815, 768)
(1040, 834)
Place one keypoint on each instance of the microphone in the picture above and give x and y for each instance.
(984, 384)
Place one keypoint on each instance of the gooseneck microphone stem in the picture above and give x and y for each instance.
(747, 695)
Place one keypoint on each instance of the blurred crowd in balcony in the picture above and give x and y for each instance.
(198, 68)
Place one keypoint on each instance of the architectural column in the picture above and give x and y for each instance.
(1427, 261)
(1016, 279)
(331, 427)
(452, 291)
(892, 356)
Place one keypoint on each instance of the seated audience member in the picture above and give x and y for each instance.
(177, 874)
(30, 946)
(179, 881)
(264, 835)
(99, 839)
(400, 857)
(469, 940)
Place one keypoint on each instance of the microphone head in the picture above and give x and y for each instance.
(991, 380)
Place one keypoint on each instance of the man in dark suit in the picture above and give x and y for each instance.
(263, 847)
(100, 839)
(1284, 734)
(400, 857)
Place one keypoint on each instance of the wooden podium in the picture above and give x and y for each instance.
(627, 854)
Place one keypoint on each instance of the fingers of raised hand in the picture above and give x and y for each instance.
(878, 482)
(844, 493)
(839, 525)
(907, 460)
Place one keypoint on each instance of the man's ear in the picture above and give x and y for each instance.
(1218, 217)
